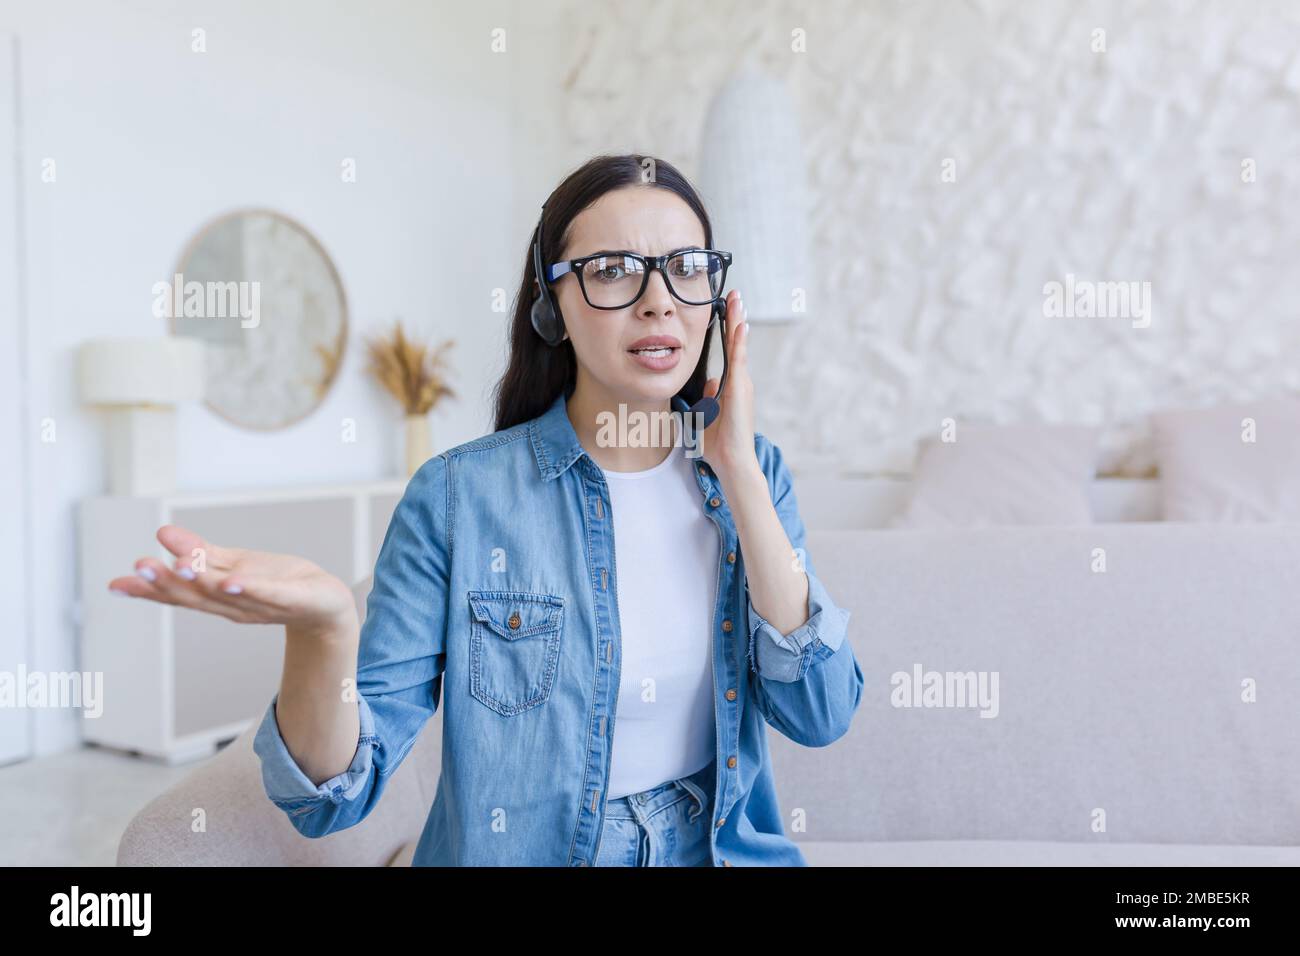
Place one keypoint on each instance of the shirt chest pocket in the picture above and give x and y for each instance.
(514, 648)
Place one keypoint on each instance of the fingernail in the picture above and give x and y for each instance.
(119, 592)
(147, 573)
(186, 573)
(234, 589)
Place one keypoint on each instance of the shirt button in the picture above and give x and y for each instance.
(721, 821)
(726, 625)
(514, 621)
(702, 471)
(715, 501)
(731, 761)
(731, 557)
(731, 694)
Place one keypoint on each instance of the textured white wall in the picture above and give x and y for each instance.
(926, 297)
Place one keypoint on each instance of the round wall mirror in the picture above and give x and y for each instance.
(265, 299)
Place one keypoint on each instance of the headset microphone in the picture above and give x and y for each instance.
(709, 407)
(549, 324)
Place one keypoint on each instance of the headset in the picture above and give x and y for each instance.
(549, 324)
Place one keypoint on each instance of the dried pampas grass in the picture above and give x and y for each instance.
(412, 372)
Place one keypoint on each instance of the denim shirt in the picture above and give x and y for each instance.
(494, 594)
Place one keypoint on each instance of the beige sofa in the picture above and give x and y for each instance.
(1120, 699)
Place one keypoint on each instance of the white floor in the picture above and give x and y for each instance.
(70, 809)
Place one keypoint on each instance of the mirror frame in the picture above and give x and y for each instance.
(188, 250)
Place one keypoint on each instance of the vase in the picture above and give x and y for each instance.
(419, 443)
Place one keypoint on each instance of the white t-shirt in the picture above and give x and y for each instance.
(666, 555)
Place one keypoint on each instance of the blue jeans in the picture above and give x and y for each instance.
(667, 825)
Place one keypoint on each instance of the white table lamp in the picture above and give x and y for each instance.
(139, 382)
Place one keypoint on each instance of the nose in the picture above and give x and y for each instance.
(656, 299)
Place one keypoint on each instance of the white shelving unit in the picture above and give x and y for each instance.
(179, 682)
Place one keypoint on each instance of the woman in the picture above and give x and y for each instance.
(605, 704)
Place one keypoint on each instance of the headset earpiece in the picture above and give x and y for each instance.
(546, 318)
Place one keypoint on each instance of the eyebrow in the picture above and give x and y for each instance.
(633, 252)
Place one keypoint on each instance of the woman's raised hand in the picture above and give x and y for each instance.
(249, 587)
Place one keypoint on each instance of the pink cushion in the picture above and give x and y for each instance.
(1032, 474)
(1210, 470)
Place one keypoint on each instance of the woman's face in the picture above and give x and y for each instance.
(653, 222)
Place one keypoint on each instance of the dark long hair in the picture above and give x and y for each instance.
(537, 373)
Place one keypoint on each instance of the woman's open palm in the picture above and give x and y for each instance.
(249, 587)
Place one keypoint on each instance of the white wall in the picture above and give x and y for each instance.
(151, 139)
(16, 635)
(925, 297)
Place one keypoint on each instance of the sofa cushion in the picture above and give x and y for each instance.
(1003, 475)
(1230, 463)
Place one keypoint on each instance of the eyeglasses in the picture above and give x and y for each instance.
(614, 280)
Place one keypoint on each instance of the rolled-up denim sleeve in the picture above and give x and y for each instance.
(400, 661)
(788, 657)
(808, 683)
(291, 789)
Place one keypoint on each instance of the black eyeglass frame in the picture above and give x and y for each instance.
(649, 264)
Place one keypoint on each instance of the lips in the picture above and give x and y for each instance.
(658, 353)
(655, 345)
